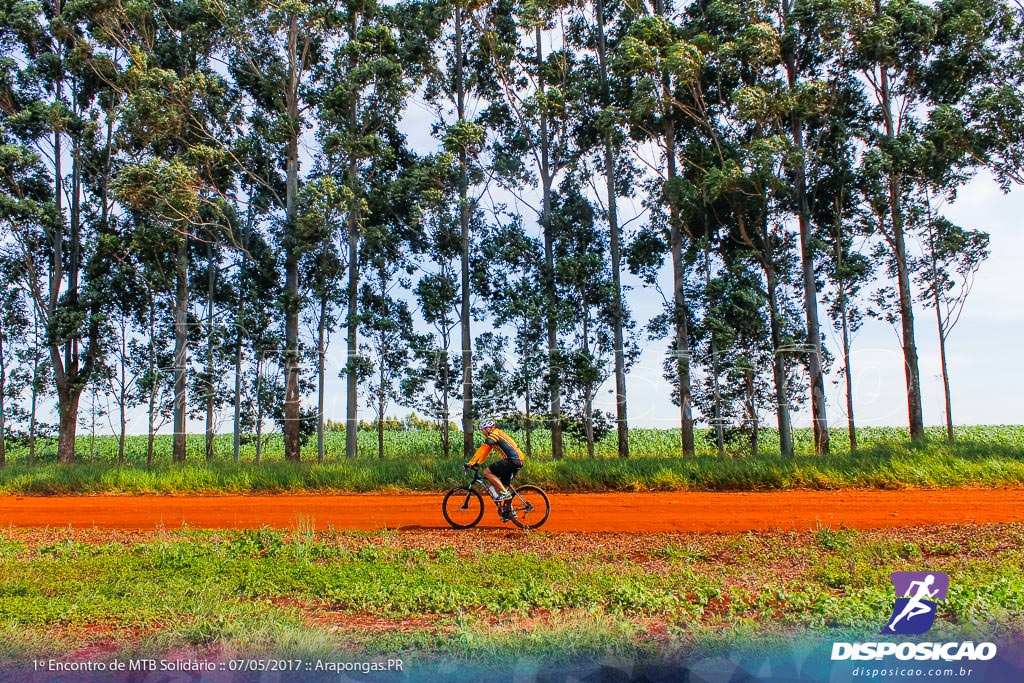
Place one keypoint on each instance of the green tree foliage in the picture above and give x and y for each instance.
(198, 200)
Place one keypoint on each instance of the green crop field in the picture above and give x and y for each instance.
(425, 443)
(481, 594)
(982, 456)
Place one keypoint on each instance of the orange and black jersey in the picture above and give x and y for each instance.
(507, 448)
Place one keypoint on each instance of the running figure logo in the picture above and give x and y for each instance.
(914, 612)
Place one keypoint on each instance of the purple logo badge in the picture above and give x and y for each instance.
(916, 593)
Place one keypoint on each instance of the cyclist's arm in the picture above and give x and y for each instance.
(481, 453)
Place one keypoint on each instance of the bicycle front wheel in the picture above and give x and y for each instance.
(463, 507)
(529, 507)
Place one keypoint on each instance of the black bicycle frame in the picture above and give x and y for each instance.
(477, 479)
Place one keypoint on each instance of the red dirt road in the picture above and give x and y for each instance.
(607, 512)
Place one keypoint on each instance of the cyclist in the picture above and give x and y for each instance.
(500, 473)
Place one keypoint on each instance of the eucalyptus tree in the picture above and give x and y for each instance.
(320, 218)
(393, 238)
(531, 109)
(151, 360)
(945, 276)
(14, 325)
(496, 396)
(253, 281)
(514, 294)
(893, 45)
(662, 67)
(51, 97)
(31, 356)
(253, 284)
(388, 323)
(930, 79)
(277, 50)
(210, 390)
(585, 283)
(365, 81)
(738, 161)
(435, 293)
(743, 187)
(841, 224)
(454, 80)
(600, 127)
(970, 81)
(118, 374)
(24, 206)
(170, 176)
(151, 356)
(735, 311)
(806, 50)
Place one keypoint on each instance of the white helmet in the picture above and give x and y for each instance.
(487, 422)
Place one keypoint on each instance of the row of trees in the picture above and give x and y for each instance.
(196, 195)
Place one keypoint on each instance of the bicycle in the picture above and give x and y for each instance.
(463, 506)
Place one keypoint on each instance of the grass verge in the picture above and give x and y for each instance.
(481, 594)
(885, 465)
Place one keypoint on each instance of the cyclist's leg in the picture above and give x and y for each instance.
(500, 474)
(493, 475)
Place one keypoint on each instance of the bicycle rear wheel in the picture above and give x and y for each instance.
(529, 507)
(463, 507)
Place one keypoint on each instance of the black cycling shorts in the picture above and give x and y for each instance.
(504, 469)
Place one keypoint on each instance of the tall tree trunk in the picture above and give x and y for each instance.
(940, 323)
(528, 417)
(446, 383)
(67, 407)
(816, 374)
(618, 313)
(910, 362)
(123, 434)
(464, 221)
(755, 423)
(844, 320)
(33, 401)
(680, 310)
(92, 424)
(122, 396)
(554, 360)
(588, 392)
(719, 421)
(64, 371)
(352, 377)
(906, 303)
(945, 372)
(210, 369)
(380, 413)
(851, 424)
(778, 363)
(75, 260)
(180, 347)
(3, 406)
(73, 384)
(236, 429)
(259, 409)
(291, 287)
(151, 432)
(680, 313)
(321, 353)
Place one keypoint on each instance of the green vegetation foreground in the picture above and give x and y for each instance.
(314, 594)
(983, 456)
